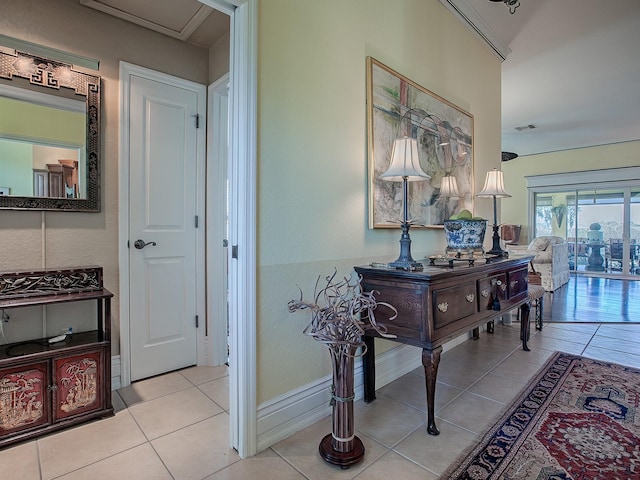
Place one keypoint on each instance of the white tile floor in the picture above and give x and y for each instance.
(176, 426)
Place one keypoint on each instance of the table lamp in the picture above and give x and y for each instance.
(449, 187)
(405, 167)
(448, 191)
(494, 187)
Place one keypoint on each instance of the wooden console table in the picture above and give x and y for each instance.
(48, 386)
(440, 303)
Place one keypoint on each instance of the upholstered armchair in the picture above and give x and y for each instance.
(551, 260)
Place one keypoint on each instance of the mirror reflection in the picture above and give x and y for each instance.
(49, 135)
(42, 145)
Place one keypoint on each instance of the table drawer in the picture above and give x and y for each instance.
(453, 303)
(517, 282)
(488, 288)
(407, 300)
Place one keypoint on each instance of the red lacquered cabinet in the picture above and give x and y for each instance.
(46, 387)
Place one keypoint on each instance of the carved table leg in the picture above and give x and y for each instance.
(490, 326)
(369, 370)
(430, 361)
(524, 324)
(539, 309)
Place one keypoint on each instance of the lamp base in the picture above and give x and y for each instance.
(406, 265)
(405, 261)
(498, 253)
(495, 248)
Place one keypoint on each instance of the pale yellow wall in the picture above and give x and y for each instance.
(312, 187)
(312, 177)
(514, 209)
(31, 240)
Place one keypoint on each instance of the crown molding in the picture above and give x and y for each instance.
(183, 34)
(472, 19)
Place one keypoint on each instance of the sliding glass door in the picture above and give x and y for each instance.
(634, 228)
(602, 226)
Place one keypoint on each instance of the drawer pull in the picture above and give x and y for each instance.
(503, 287)
(52, 388)
(514, 283)
(443, 306)
(485, 292)
(470, 297)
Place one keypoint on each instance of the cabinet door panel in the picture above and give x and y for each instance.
(23, 397)
(78, 379)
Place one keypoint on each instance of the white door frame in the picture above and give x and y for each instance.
(243, 71)
(217, 165)
(243, 214)
(243, 68)
(128, 70)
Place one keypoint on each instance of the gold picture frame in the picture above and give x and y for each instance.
(397, 106)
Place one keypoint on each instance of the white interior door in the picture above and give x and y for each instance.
(162, 226)
(217, 221)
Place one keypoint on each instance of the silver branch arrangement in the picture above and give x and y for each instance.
(341, 313)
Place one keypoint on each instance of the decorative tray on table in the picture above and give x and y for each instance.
(450, 259)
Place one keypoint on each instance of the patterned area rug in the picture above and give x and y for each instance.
(577, 420)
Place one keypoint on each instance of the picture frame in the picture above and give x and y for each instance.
(397, 106)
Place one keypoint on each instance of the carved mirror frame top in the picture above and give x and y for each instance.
(46, 73)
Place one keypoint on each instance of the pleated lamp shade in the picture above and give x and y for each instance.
(493, 185)
(404, 162)
(449, 187)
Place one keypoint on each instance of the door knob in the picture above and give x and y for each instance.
(140, 244)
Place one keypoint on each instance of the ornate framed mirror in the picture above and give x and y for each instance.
(49, 135)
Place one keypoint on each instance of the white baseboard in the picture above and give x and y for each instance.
(115, 373)
(289, 413)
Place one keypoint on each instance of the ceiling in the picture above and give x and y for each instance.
(186, 20)
(573, 70)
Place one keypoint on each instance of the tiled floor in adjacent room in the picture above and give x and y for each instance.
(176, 426)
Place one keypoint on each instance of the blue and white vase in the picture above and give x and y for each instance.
(465, 234)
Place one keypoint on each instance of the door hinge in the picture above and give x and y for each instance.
(197, 219)
(197, 321)
(197, 115)
(234, 251)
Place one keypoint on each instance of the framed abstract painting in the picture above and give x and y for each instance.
(397, 106)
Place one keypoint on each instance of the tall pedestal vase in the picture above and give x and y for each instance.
(342, 447)
(340, 316)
